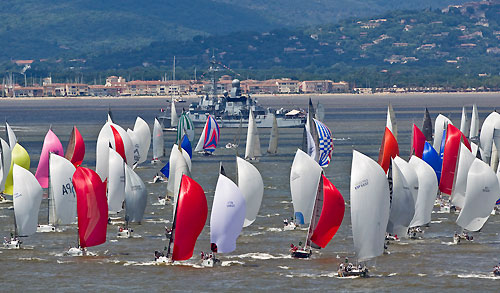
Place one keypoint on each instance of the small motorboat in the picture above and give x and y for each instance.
(231, 145)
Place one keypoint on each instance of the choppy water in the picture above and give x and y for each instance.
(261, 260)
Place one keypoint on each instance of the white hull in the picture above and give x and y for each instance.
(125, 233)
(12, 244)
(45, 228)
(291, 226)
(210, 262)
(78, 251)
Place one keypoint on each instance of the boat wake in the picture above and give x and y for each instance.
(261, 256)
(274, 229)
(479, 276)
(31, 259)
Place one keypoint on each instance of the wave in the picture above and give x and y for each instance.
(479, 276)
(260, 255)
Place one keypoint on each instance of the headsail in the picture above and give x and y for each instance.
(427, 192)
(417, 142)
(92, 207)
(27, 200)
(141, 140)
(252, 187)
(464, 162)
(11, 136)
(116, 181)
(370, 206)
(174, 119)
(391, 121)
(482, 192)
(75, 151)
(158, 142)
(439, 127)
(190, 218)
(273, 138)
(402, 202)
(51, 144)
(252, 149)
(464, 122)
(427, 126)
(474, 124)
(228, 215)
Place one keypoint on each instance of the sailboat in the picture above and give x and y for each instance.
(427, 126)
(480, 198)
(141, 140)
(252, 187)
(135, 201)
(474, 125)
(391, 121)
(388, 150)
(226, 220)
(180, 164)
(174, 118)
(465, 160)
(51, 144)
(486, 137)
(75, 151)
(27, 200)
(464, 122)
(273, 138)
(92, 210)
(158, 142)
(209, 137)
(185, 127)
(190, 215)
(252, 149)
(61, 195)
(326, 218)
(370, 208)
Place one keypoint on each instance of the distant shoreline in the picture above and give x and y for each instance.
(262, 96)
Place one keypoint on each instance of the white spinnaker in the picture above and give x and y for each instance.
(11, 135)
(116, 181)
(486, 137)
(27, 200)
(402, 204)
(5, 160)
(410, 175)
(474, 123)
(369, 206)
(61, 189)
(464, 122)
(494, 149)
(135, 195)
(480, 197)
(141, 140)
(439, 126)
(228, 215)
(158, 143)
(305, 175)
(104, 139)
(273, 138)
(174, 118)
(178, 166)
(252, 149)
(427, 192)
(252, 187)
(464, 162)
(391, 121)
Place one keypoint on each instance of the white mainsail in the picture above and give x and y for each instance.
(141, 140)
(158, 143)
(27, 200)
(252, 187)
(480, 197)
(228, 215)
(427, 192)
(391, 121)
(5, 162)
(464, 122)
(370, 206)
(474, 123)
(61, 192)
(116, 182)
(174, 118)
(410, 175)
(273, 138)
(402, 203)
(305, 175)
(464, 162)
(439, 126)
(178, 166)
(252, 149)
(11, 136)
(486, 137)
(135, 195)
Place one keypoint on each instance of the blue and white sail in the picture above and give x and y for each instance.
(209, 136)
(325, 142)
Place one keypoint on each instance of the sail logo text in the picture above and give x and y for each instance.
(68, 188)
(363, 183)
(230, 204)
(486, 189)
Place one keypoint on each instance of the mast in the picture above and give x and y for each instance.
(316, 213)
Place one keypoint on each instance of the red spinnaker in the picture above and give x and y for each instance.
(332, 214)
(92, 207)
(389, 149)
(417, 142)
(76, 148)
(192, 211)
(450, 159)
(119, 146)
